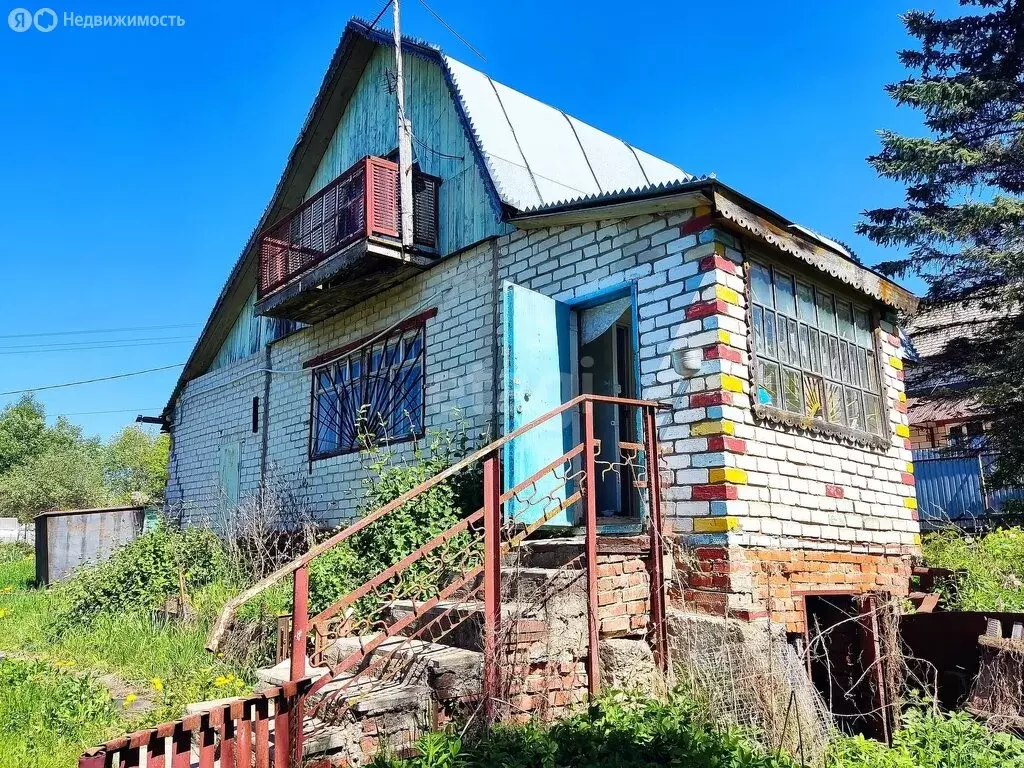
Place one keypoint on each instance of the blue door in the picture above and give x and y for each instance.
(538, 378)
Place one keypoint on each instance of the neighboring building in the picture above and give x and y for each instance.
(551, 256)
(942, 408)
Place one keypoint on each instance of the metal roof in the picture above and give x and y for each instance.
(536, 155)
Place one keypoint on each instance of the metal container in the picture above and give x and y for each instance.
(67, 539)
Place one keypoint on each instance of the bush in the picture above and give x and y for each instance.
(385, 542)
(991, 568)
(619, 730)
(143, 574)
(931, 740)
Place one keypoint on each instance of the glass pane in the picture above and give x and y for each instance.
(815, 351)
(413, 347)
(792, 392)
(854, 415)
(844, 363)
(826, 357)
(813, 396)
(357, 367)
(757, 316)
(805, 348)
(862, 370)
(826, 312)
(872, 371)
(761, 285)
(768, 383)
(872, 414)
(785, 298)
(844, 314)
(863, 322)
(342, 371)
(770, 346)
(794, 342)
(375, 358)
(834, 403)
(805, 303)
(783, 338)
(833, 355)
(393, 354)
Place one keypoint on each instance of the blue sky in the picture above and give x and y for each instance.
(135, 162)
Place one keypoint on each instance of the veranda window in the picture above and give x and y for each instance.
(815, 352)
(375, 391)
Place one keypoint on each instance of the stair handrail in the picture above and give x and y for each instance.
(230, 608)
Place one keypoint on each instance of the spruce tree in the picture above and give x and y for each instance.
(961, 226)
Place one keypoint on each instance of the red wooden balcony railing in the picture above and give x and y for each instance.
(362, 202)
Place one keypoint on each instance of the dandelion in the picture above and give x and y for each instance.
(220, 682)
(7, 589)
(158, 684)
(3, 612)
(129, 699)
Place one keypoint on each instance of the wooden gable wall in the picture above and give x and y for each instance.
(440, 145)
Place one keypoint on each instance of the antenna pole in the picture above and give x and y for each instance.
(404, 140)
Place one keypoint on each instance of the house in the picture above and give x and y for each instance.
(549, 259)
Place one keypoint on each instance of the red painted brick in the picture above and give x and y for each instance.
(722, 352)
(834, 491)
(696, 224)
(711, 553)
(725, 443)
(706, 309)
(704, 399)
(908, 479)
(713, 492)
(709, 263)
(900, 375)
(907, 444)
(901, 406)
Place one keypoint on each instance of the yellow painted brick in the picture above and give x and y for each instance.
(917, 539)
(719, 249)
(732, 383)
(902, 397)
(728, 295)
(724, 337)
(896, 363)
(903, 430)
(910, 467)
(704, 428)
(701, 210)
(910, 502)
(727, 475)
(715, 524)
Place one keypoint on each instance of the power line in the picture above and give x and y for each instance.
(374, 22)
(448, 26)
(83, 348)
(90, 381)
(97, 330)
(82, 342)
(120, 410)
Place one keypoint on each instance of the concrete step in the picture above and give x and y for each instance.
(459, 623)
(450, 672)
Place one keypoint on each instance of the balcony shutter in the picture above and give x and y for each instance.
(384, 205)
(424, 209)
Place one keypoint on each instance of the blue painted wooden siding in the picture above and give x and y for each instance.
(249, 334)
(368, 127)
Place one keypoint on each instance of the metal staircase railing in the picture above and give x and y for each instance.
(459, 568)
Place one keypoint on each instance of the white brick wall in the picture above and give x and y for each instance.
(217, 408)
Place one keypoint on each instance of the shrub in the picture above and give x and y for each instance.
(620, 730)
(930, 739)
(991, 568)
(386, 541)
(143, 574)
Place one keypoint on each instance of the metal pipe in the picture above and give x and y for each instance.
(590, 480)
(492, 583)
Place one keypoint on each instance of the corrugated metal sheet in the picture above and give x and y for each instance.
(957, 488)
(67, 540)
(537, 155)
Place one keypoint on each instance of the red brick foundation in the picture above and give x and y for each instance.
(750, 583)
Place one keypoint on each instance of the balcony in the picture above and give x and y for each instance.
(344, 244)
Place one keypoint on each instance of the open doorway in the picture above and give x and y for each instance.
(605, 364)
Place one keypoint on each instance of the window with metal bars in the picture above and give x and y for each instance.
(371, 394)
(814, 352)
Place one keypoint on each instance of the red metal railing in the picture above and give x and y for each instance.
(362, 202)
(465, 566)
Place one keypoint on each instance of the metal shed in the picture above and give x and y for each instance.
(68, 539)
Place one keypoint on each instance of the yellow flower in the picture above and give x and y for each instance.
(220, 682)
(129, 699)
(158, 683)
(7, 589)
(3, 612)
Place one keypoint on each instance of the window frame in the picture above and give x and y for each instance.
(362, 351)
(779, 414)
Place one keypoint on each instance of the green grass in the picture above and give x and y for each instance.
(162, 665)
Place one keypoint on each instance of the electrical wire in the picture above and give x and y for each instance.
(97, 330)
(90, 381)
(377, 18)
(118, 410)
(448, 26)
(87, 347)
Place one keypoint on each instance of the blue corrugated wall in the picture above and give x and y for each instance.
(957, 488)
